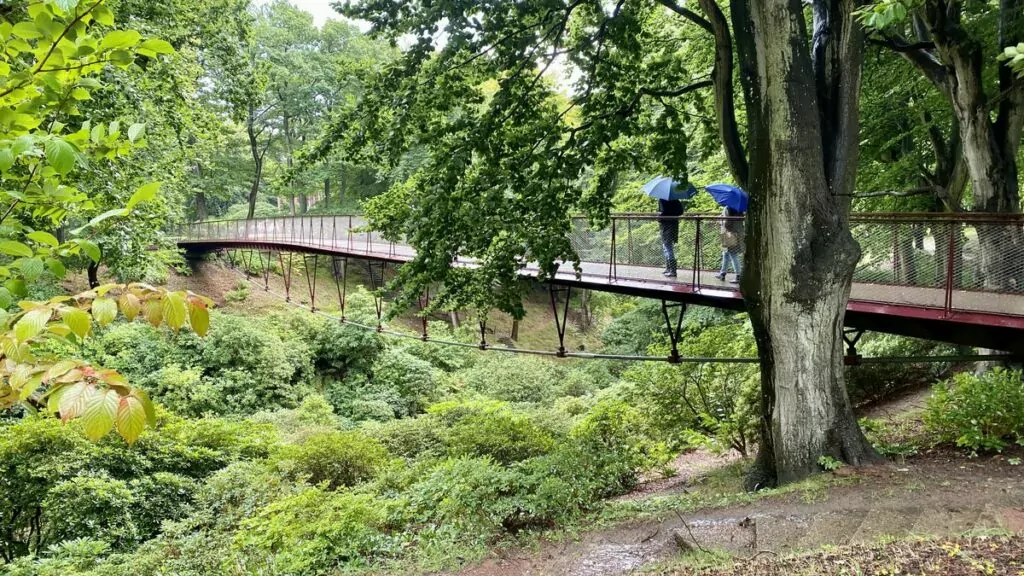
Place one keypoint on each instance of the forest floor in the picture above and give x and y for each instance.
(938, 512)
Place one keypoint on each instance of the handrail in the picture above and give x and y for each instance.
(856, 217)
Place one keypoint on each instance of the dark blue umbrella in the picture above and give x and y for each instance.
(729, 196)
(665, 188)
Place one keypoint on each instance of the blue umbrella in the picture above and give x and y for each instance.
(665, 188)
(729, 196)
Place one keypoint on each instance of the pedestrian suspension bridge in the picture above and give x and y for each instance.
(920, 275)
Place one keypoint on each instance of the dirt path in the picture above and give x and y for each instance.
(935, 495)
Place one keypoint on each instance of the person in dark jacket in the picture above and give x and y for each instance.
(670, 210)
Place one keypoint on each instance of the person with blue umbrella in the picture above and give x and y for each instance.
(669, 194)
(734, 202)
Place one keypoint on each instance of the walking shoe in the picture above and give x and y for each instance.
(720, 277)
(669, 273)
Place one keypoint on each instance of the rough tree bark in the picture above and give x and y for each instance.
(257, 158)
(801, 98)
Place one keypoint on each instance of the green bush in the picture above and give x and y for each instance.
(84, 506)
(77, 556)
(237, 492)
(187, 392)
(316, 532)
(160, 497)
(473, 497)
(501, 434)
(719, 400)
(419, 437)
(978, 412)
(446, 358)
(408, 378)
(514, 378)
(869, 382)
(333, 458)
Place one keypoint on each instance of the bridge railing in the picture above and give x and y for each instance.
(963, 262)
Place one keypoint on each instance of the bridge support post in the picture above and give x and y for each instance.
(311, 280)
(247, 260)
(265, 269)
(483, 334)
(286, 271)
(851, 336)
(561, 316)
(377, 285)
(340, 281)
(675, 328)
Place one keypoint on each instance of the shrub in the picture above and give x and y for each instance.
(419, 437)
(408, 378)
(239, 294)
(237, 492)
(316, 532)
(371, 410)
(515, 378)
(474, 497)
(615, 437)
(720, 400)
(333, 458)
(501, 434)
(160, 497)
(874, 381)
(978, 412)
(98, 508)
(187, 393)
(447, 358)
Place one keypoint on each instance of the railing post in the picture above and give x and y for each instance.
(895, 254)
(950, 268)
(611, 259)
(697, 254)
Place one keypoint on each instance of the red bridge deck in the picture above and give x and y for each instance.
(919, 275)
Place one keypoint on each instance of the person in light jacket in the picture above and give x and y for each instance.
(731, 235)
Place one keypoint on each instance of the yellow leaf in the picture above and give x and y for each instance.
(199, 317)
(77, 320)
(131, 418)
(154, 313)
(100, 412)
(104, 310)
(31, 324)
(130, 305)
(173, 310)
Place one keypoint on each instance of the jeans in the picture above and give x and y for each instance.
(727, 257)
(669, 250)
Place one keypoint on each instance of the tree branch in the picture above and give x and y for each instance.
(922, 191)
(689, 15)
(678, 91)
(919, 54)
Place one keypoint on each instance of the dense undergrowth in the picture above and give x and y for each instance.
(292, 444)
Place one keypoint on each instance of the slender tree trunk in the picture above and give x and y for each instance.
(803, 115)
(201, 213)
(257, 157)
(515, 330)
(327, 192)
(93, 272)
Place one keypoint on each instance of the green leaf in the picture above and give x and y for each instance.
(26, 30)
(199, 318)
(43, 238)
(17, 287)
(5, 298)
(100, 412)
(6, 160)
(106, 215)
(61, 155)
(120, 39)
(91, 250)
(104, 310)
(134, 131)
(56, 267)
(31, 324)
(103, 15)
(157, 45)
(78, 321)
(66, 5)
(173, 308)
(79, 93)
(145, 193)
(31, 268)
(131, 418)
(15, 248)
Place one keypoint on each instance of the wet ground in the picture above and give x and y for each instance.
(940, 495)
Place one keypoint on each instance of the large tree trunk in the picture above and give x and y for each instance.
(804, 125)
